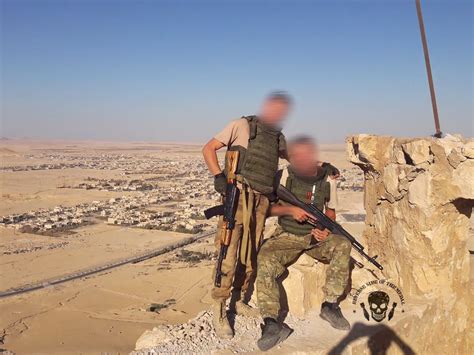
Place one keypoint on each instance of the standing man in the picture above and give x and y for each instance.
(313, 182)
(260, 144)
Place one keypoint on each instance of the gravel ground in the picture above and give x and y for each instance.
(197, 337)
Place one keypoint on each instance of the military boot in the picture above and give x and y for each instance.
(220, 321)
(331, 312)
(272, 334)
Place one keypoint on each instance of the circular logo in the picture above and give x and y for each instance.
(378, 300)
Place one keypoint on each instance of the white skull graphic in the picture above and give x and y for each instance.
(378, 302)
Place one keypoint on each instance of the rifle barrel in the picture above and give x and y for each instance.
(287, 196)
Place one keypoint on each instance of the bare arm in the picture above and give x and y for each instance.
(209, 152)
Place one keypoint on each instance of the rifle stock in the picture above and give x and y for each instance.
(214, 211)
(320, 219)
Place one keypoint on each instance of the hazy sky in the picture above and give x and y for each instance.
(180, 70)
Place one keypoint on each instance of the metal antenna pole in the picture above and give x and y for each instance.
(438, 133)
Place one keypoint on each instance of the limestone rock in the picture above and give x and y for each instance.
(418, 191)
(470, 242)
(418, 151)
(303, 285)
(463, 178)
(468, 150)
(421, 236)
(370, 150)
(399, 155)
(455, 158)
(451, 142)
(391, 173)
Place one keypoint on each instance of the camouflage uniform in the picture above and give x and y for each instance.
(284, 248)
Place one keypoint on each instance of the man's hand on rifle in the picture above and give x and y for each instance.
(220, 183)
(300, 214)
(320, 235)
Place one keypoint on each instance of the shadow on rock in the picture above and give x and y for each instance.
(380, 339)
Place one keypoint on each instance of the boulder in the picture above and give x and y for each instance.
(468, 150)
(303, 286)
(417, 151)
(455, 158)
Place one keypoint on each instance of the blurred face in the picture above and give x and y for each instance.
(303, 158)
(274, 112)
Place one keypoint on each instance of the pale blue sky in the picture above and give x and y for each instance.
(179, 70)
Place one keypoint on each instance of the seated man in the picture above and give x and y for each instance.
(313, 182)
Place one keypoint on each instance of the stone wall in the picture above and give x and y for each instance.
(419, 195)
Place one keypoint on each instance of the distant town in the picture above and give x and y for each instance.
(172, 198)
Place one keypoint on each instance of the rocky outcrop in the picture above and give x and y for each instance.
(302, 289)
(419, 195)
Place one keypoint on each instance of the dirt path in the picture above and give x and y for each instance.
(107, 312)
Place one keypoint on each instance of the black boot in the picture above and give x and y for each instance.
(272, 334)
(331, 312)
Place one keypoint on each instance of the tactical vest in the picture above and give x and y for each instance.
(302, 187)
(258, 164)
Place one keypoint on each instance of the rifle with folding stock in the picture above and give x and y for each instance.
(228, 210)
(321, 221)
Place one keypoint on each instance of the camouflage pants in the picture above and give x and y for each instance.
(238, 275)
(284, 248)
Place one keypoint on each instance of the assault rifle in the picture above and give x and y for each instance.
(228, 210)
(321, 221)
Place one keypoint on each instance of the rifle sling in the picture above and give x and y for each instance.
(248, 202)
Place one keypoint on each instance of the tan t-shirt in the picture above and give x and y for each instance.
(235, 133)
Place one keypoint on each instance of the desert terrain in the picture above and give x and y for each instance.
(53, 226)
(71, 206)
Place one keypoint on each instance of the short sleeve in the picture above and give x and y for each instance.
(227, 135)
(333, 200)
(236, 132)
